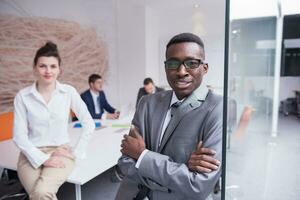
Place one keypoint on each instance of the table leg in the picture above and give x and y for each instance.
(78, 191)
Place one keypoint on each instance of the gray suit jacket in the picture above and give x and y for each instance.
(163, 169)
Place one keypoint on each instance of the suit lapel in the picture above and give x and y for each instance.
(160, 114)
(188, 105)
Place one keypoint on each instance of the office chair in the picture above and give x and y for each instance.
(298, 102)
(11, 189)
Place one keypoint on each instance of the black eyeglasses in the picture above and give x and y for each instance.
(189, 63)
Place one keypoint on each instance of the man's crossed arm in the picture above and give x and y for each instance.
(201, 160)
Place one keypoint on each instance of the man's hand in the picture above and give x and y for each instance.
(63, 152)
(117, 114)
(133, 144)
(54, 162)
(202, 160)
(114, 115)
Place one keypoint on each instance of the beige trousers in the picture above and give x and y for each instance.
(44, 182)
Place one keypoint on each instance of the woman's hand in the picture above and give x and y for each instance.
(54, 162)
(63, 152)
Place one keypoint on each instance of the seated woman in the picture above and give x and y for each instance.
(41, 113)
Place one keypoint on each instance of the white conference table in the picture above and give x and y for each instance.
(102, 153)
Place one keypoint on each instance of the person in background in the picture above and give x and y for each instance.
(40, 131)
(96, 101)
(149, 88)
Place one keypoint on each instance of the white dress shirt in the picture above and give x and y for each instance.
(96, 101)
(154, 91)
(174, 99)
(38, 124)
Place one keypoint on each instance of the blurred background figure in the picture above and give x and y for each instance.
(149, 88)
(96, 101)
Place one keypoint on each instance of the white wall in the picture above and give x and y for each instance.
(290, 7)
(131, 48)
(136, 33)
(258, 8)
(155, 22)
(287, 87)
(152, 45)
(252, 8)
(207, 21)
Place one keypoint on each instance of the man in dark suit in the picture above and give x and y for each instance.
(175, 144)
(149, 88)
(96, 101)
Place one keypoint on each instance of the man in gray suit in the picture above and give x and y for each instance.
(162, 155)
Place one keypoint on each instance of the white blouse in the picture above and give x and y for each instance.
(38, 124)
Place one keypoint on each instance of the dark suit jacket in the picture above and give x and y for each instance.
(163, 169)
(104, 105)
(143, 92)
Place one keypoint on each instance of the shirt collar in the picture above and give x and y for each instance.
(154, 91)
(58, 87)
(201, 93)
(94, 93)
(175, 99)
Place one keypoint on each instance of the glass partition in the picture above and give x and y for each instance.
(261, 156)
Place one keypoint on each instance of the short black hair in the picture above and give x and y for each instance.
(94, 77)
(148, 80)
(48, 50)
(185, 37)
